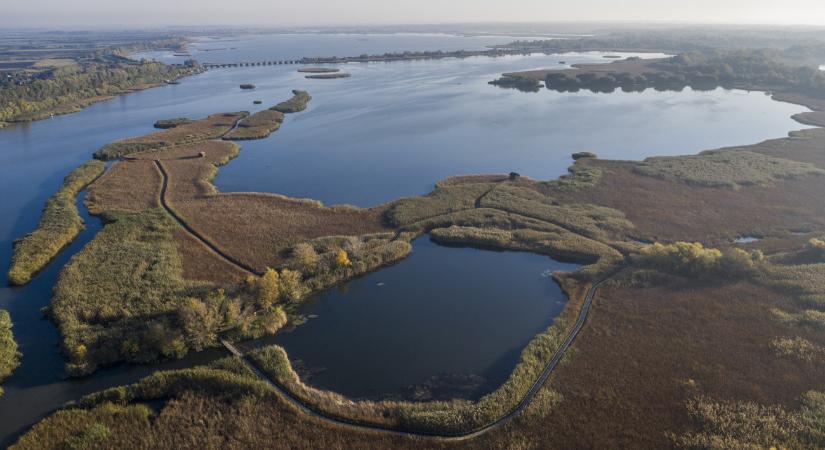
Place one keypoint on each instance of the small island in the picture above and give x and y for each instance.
(318, 70)
(328, 76)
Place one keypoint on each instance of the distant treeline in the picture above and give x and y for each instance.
(800, 46)
(752, 69)
(68, 88)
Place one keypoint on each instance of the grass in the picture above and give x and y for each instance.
(134, 296)
(257, 126)
(297, 103)
(593, 221)
(9, 356)
(743, 424)
(561, 244)
(172, 123)
(445, 417)
(140, 308)
(58, 227)
(799, 348)
(726, 169)
(218, 406)
(328, 76)
(212, 127)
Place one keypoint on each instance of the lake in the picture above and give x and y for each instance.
(391, 130)
(443, 313)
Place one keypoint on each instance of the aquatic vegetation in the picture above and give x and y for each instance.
(58, 227)
(809, 318)
(732, 424)
(443, 200)
(596, 222)
(297, 103)
(798, 348)
(328, 76)
(726, 169)
(439, 416)
(318, 70)
(211, 127)
(257, 126)
(9, 356)
(692, 259)
(172, 123)
(559, 244)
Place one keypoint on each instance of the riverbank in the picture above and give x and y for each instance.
(637, 315)
(68, 90)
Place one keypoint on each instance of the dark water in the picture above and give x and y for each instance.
(391, 130)
(441, 311)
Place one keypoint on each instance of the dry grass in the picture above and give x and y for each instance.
(740, 425)
(257, 126)
(662, 210)
(59, 226)
(126, 186)
(298, 103)
(212, 127)
(726, 168)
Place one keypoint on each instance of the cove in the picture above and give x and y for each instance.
(445, 322)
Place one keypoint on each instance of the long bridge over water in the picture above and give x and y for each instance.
(407, 56)
(208, 65)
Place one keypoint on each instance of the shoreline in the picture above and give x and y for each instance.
(813, 104)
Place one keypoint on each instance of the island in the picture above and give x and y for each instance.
(677, 332)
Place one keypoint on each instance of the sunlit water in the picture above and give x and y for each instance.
(391, 130)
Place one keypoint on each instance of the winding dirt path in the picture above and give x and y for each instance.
(203, 240)
(316, 412)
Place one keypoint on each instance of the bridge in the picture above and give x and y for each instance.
(208, 65)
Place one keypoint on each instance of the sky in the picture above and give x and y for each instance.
(146, 13)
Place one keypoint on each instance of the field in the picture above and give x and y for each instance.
(696, 342)
(257, 126)
(212, 127)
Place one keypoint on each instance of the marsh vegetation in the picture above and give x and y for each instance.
(59, 225)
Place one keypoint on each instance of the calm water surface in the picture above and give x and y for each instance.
(442, 311)
(391, 130)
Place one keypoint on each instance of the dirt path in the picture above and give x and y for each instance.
(314, 411)
(208, 244)
(363, 425)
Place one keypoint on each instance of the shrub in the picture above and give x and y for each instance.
(692, 259)
(269, 288)
(306, 257)
(741, 425)
(342, 259)
(798, 348)
(290, 285)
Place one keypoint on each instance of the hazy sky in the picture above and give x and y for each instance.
(136, 13)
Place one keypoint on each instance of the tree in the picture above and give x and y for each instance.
(342, 259)
(268, 289)
(306, 256)
(291, 284)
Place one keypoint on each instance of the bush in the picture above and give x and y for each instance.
(692, 259)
